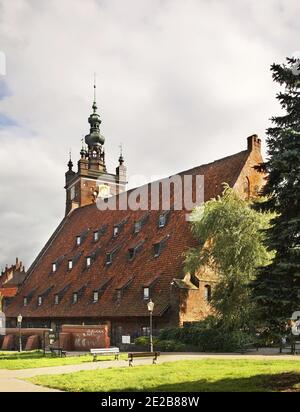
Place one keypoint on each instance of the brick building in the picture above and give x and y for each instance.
(103, 266)
(11, 278)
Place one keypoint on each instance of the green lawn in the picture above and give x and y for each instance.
(35, 359)
(183, 376)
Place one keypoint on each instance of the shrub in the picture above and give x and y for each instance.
(207, 335)
(163, 345)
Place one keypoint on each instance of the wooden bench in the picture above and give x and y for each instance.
(57, 351)
(105, 351)
(134, 355)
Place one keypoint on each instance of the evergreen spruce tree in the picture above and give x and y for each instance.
(277, 288)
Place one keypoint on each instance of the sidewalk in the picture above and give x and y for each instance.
(12, 380)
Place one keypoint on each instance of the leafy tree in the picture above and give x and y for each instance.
(277, 288)
(231, 243)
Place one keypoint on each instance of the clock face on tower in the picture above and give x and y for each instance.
(104, 191)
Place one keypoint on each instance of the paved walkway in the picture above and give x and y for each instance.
(12, 380)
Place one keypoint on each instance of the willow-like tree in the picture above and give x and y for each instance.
(231, 243)
(277, 289)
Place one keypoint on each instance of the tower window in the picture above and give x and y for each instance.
(72, 192)
(54, 267)
(207, 293)
(70, 264)
(95, 296)
(75, 297)
(116, 231)
(40, 300)
(96, 236)
(78, 240)
(25, 301)
(146, 293)
(56, 299)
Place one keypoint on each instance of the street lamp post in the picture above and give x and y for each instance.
(150, 306)
(19, 319)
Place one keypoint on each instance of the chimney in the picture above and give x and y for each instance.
(254, 143)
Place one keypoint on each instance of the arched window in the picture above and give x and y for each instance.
(207, 293)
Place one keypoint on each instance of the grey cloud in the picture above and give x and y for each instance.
(179, 83)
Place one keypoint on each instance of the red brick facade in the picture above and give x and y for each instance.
(66, 295)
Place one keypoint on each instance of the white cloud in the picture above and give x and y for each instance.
(179, 83)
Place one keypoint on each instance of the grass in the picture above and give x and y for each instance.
(36, 359)
(183, 376)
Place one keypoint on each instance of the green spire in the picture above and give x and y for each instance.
(94, 138)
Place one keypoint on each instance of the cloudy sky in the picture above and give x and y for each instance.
(180, 83)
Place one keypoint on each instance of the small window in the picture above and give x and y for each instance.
(207, 293)
(131, 253)
(96, 236)
(25, 301)
(162, 220)
(156, 249)
(119, 295)
(56, 299)
(137, 227)
(40, 301)
(54, 267)
(146, 293)
(95, 296)
(72, 192)
(70, 264)
(75, 297)
(78, 240)
(108, 258)
(116, 231)
(88, 261)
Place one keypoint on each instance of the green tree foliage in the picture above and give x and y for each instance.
(277, 289)
(231, 242)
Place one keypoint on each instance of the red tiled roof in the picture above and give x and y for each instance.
(143, 269)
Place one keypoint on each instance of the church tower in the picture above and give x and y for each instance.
(92, 179)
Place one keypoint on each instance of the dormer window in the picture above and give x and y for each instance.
(137, 227)
(131, 253)
(78, 240)
(70, 264)
(109, 258)
(139, 224)
(95, 296)
(40, 300)
(146, 293)
(162, 220)
(116, 231)
(25, 301)
(54, 267)
(56, 299)
(88, 261)
(75, 297)
(159, 246)
(96, 236)
(156, 249)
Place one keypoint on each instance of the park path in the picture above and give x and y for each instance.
(13, 380)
